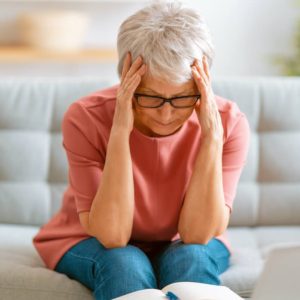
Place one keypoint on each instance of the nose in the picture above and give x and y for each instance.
(166, 113)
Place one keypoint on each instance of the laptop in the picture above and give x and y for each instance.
(280, 277)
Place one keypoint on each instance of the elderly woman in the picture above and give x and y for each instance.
(154, 164)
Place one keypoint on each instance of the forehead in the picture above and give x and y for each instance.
(162, 86)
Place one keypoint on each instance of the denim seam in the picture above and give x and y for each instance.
(86, 258)
(96, 289)
(82, 257)
(212, 258)
(220, 258)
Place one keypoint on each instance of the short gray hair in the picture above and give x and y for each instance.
(169, 37)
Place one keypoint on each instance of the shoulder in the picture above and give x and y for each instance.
(99, 98)
(91, 116)
(96, 107)
(233, 119)
(228, 107)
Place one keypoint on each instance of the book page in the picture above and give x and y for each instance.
(149, 294)
(201, 291)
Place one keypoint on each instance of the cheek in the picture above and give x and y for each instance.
(184, 115)
(142, 114)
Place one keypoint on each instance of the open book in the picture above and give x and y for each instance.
(185, 291)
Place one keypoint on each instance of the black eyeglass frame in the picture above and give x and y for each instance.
(164, 100)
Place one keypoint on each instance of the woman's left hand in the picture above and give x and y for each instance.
(207, 109)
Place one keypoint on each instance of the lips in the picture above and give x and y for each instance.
(164, 124)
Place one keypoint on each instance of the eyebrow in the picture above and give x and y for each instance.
(157, 94)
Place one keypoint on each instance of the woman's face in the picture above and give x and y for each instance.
(164, 120)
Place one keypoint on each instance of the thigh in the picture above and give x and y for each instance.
(191, 262)
(108, 273)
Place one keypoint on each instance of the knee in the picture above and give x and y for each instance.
(122, 271)
(127, 264)
(187, 252)
(191, 254)
(188, 262)
(129, 258)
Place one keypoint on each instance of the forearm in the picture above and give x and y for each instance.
(203, 208)
(111, 215)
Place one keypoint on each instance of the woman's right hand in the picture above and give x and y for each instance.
(130, 79)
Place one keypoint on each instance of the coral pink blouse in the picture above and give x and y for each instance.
(162, 167)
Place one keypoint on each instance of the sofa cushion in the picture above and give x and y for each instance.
(23, 274)
(22, 270)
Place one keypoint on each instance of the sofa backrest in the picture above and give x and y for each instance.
(33, 164)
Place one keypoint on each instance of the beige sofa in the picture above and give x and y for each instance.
(33, 176)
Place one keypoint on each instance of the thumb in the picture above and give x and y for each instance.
(197, 107)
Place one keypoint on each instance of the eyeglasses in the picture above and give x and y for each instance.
(149, 101)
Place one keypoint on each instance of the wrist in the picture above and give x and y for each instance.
(210, 142)
(120, 131)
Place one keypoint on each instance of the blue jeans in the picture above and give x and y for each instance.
(114, 272)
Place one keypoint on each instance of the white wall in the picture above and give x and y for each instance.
(246, 33)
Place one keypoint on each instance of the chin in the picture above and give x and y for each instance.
(161, 131)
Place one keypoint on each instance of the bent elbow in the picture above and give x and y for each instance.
(112, 243)
(190, 239)
(195, 241)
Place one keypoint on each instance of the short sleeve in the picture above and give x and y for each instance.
(235, 151)
(85, 161)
